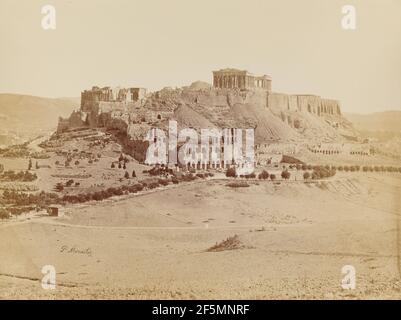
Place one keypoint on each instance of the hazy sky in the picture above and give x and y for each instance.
(154, 44)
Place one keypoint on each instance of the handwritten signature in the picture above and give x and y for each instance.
(76, 250)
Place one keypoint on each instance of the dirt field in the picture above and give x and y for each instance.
(294, 240)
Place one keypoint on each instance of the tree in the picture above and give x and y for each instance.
(273, 177)
(285, 175)
(37, 165)
(113, 165)
(231, 172)
(126, 175)
(119, 165)
(263, 175)
(306, 175)
(30, 164)
(133, 174)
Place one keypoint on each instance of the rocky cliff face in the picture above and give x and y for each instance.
(275, 117)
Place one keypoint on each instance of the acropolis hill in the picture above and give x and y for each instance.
(237, 99)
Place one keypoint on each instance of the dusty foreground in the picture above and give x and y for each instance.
(294, 240)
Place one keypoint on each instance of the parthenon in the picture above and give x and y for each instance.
(241, 79)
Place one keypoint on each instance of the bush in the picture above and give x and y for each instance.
(163, 182)
(239, 184)
(4, 214)
(126, 175)
(272, 177)
(153, 185)
(306, 175)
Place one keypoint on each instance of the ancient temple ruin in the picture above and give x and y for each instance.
(233, 78)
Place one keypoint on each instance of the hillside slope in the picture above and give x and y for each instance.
(23, 117)
(379, 121)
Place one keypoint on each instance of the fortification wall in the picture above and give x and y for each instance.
(303, 103)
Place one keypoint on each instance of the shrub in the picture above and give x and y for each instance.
(126, 175)
(306, 175)
(4, 214)
(239, 184)
(272, 177)
(163, 182)
(153, 185)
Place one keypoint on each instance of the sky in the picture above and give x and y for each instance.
(159, 43)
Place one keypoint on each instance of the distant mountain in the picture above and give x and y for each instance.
(23, 117)
(389, 121)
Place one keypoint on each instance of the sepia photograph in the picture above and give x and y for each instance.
(200, 150)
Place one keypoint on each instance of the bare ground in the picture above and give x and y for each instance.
(294, 239)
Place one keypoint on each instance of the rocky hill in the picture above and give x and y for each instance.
(273, 121)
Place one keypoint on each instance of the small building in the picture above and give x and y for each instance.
(52, 211)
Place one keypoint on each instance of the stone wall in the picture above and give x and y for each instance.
(303, 103)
